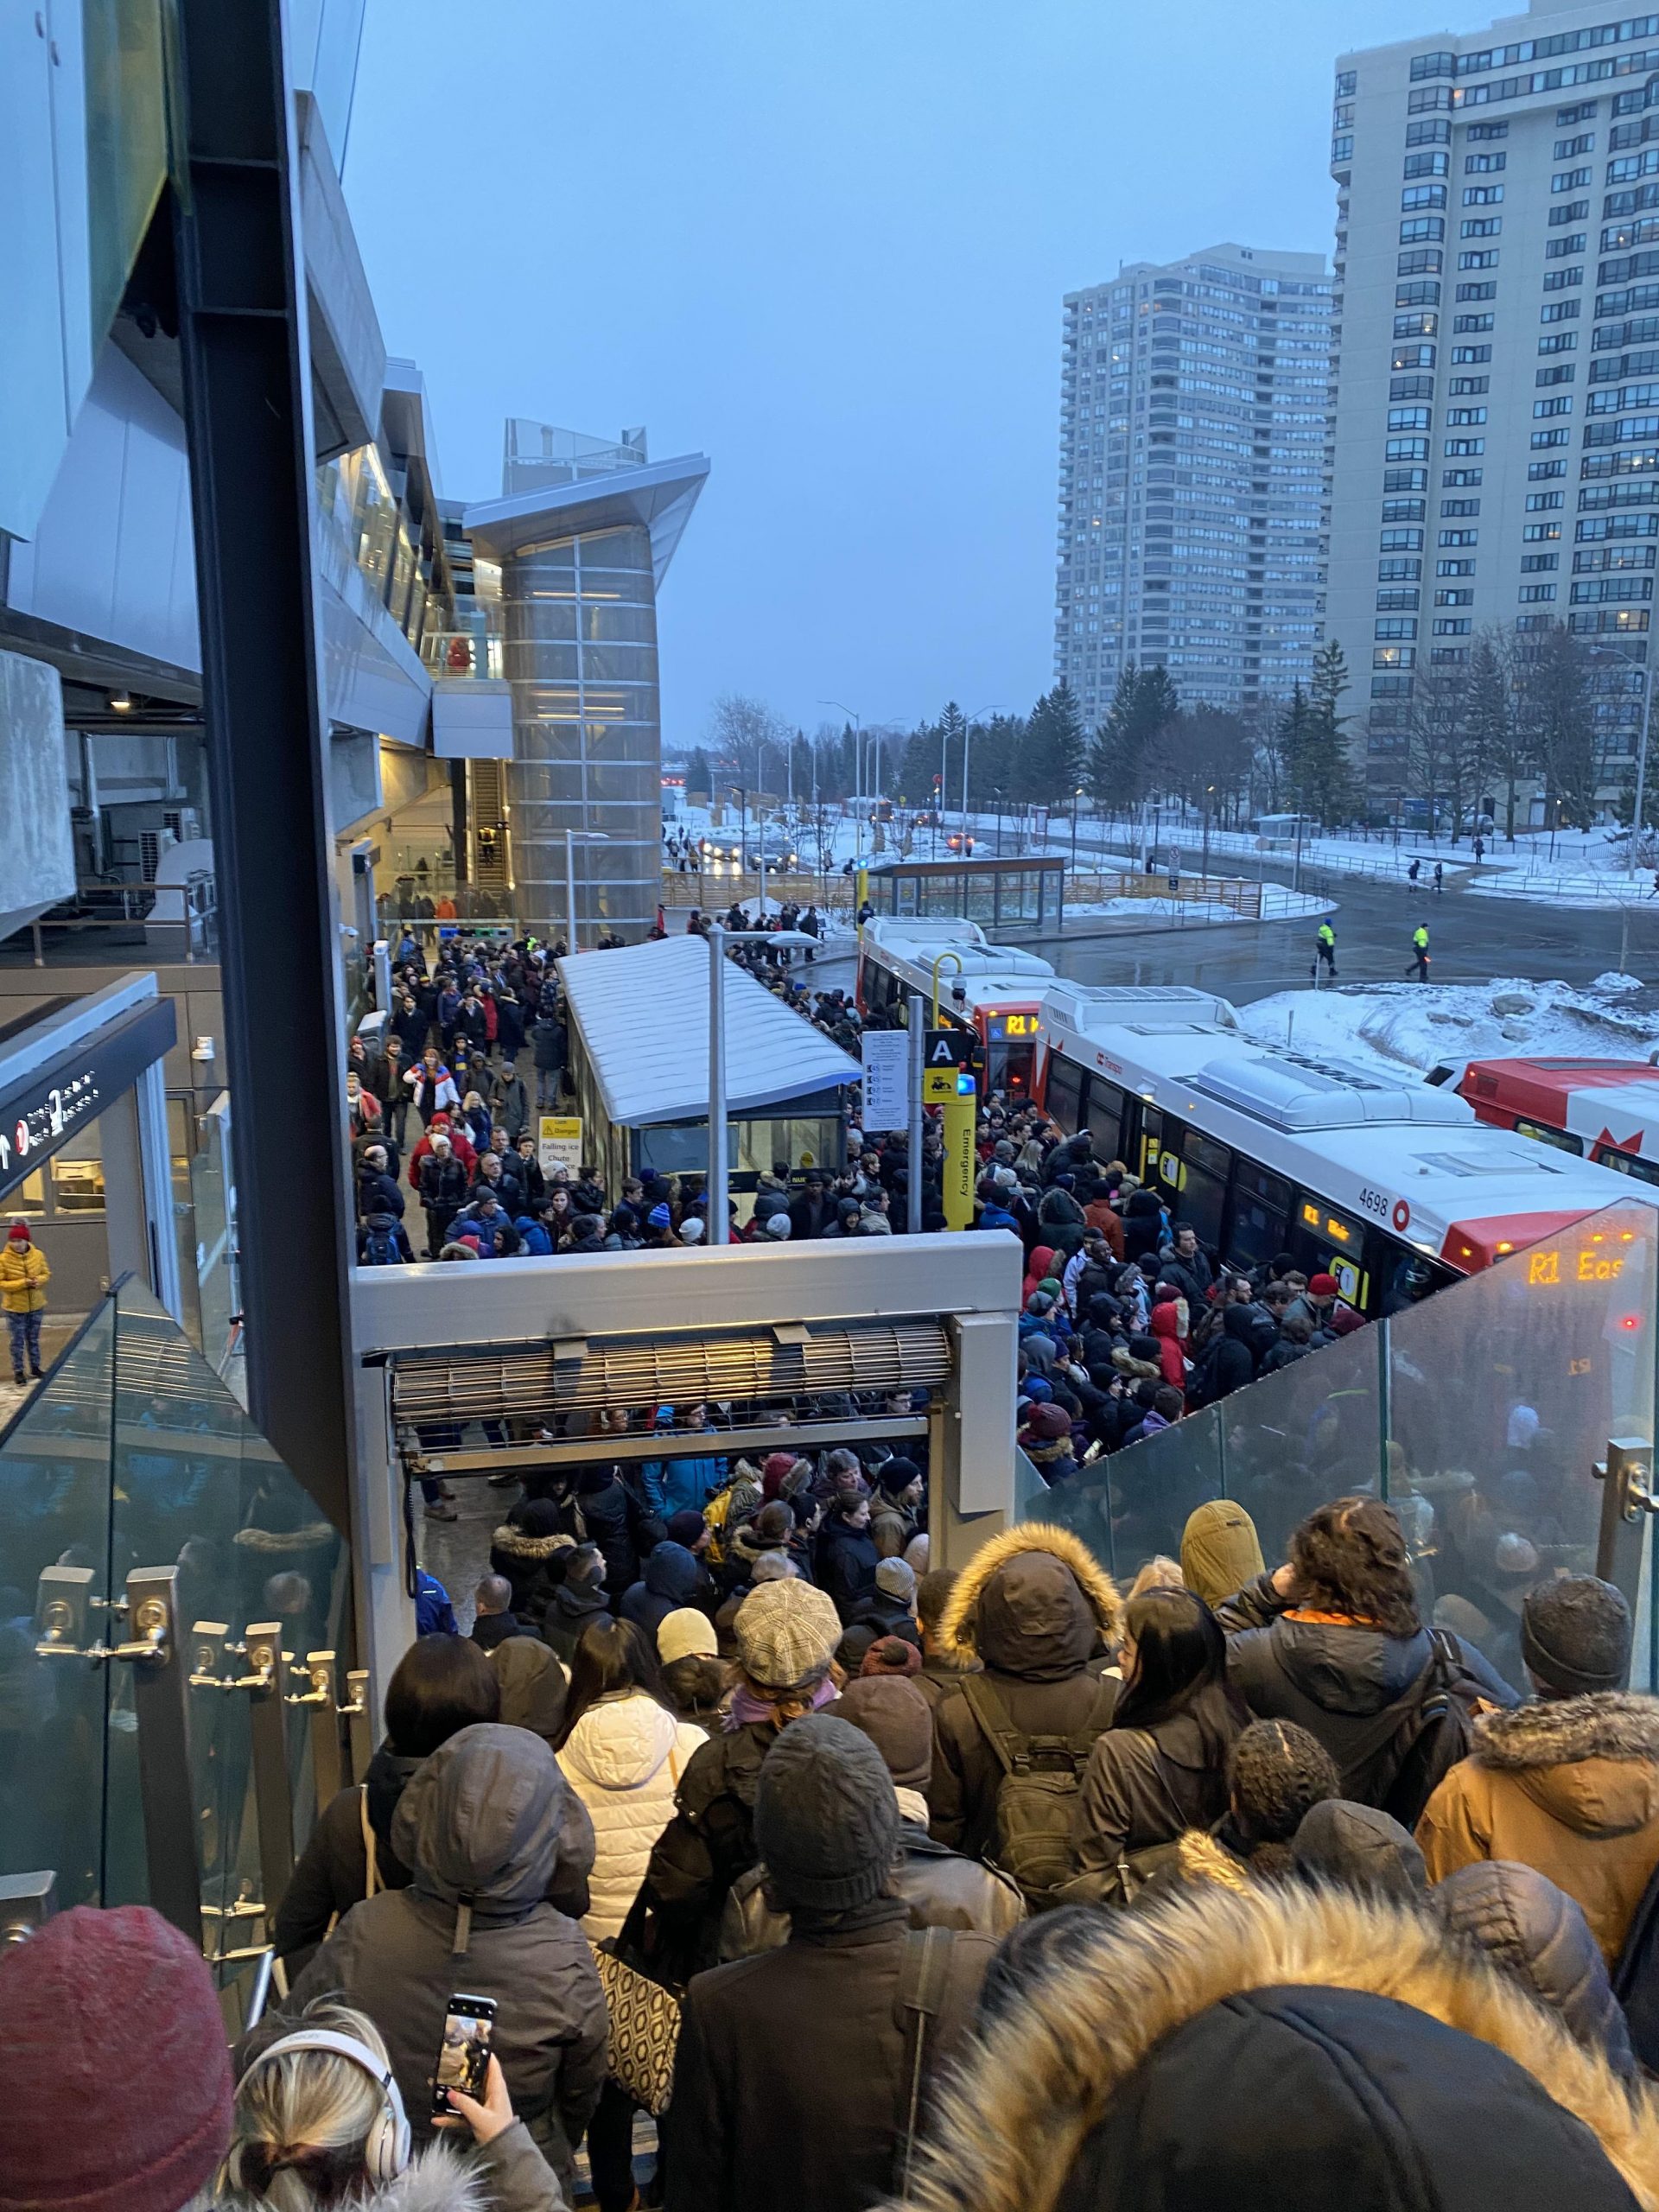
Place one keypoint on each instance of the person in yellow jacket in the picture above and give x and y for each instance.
(23, 1277)
(1419, 953)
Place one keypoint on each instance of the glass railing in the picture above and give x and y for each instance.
(459, 653)
(1483, 1415)
(170, 1603)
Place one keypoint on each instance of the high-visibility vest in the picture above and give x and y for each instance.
(1327, 935)
(1420, 939)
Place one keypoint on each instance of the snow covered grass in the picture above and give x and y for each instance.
(1391, 1026)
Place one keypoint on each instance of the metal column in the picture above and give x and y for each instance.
(247, 388)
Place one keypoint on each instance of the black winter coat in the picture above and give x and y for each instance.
(1144, 1786)
(378, 1193)
(937, 1886)
(847, 1562)
(332, 1875)
(707, 1844)
(790, 2087)
(611, 1517)
(1539, 1934)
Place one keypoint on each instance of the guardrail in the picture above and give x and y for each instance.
(718, 888)
(1241, 895)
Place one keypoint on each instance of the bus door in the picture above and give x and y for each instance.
(1324, 1242)
(1151, 1151)
(1102, 1109)
(1261, 1212)
(1063, 1093)
(1205, 1166)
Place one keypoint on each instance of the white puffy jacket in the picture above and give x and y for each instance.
(624, 1759)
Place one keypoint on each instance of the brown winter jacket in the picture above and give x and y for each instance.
(1034, 1605)
(1569, 1786)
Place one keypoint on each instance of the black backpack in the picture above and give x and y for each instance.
(1399, 1760)
(1036, 1797)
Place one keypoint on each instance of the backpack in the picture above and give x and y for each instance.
(1036, 1797)
(380, 1249)
(1398, 1762)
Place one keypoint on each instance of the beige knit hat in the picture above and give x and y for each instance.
(786, 1633)
(685, 1634)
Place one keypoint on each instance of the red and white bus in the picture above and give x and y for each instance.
(995, 991)
(1605, 1110)
(1393, 1188)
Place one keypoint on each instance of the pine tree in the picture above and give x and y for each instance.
(952, 729)
(1126, 748)
(1320, 774)
(1051, 761)
(699, 775)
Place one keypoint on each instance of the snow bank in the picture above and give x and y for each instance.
(1394, 1024)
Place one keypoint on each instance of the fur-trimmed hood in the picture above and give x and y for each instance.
(517, 1545)
(1032, 1602)
(1593, 1763)
(1607, 1724)
(1244, 2027)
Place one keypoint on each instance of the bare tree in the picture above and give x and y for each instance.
(1436, 741)
(751, 740)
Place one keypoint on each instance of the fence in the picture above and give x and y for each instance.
(715, 891)
(1480, 1416)
(1239, 894)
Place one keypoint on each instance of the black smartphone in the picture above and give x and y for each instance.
(464, 2054)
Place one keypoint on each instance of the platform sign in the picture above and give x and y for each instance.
(948, 1048)
(886, 1055)
(558, 1142)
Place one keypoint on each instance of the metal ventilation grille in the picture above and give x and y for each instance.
(537, 1382)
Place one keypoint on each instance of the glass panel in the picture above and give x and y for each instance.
(195, 1484)
(55, 1513)
(1131, 1506)
(1311, 1432)
(1552, 1352)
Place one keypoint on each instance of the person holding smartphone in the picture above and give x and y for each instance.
(318, 2119)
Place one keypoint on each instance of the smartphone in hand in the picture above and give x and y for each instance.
(464, 2054)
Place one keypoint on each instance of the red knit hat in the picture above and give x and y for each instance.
(20, 1230)
(112, 2021)
(1322, 1287)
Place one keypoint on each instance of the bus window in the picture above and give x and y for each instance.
(1065, 1092)
(1104, 1108)
(1203, 1199)
(1562, 1139)
(1627, 1163)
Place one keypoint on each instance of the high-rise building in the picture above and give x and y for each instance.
(1495, 458)
(1192, 428)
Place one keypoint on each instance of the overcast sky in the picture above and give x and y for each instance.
(824, 242)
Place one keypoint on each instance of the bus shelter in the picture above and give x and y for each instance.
(1026, 891)
(640, 1069)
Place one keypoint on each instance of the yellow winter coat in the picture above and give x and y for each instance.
(23, 1277)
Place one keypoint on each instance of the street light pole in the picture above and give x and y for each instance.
(719, 938)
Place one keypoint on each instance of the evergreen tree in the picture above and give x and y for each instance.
(1319, 773)
(699, 774)
(919, 764)
(953, 730)
(1488, 725)
(1050, 766)
(1130, 746)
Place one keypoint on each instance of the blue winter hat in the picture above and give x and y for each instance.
(658, 1217)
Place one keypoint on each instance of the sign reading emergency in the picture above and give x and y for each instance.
(961, 1161)
(558, 1142)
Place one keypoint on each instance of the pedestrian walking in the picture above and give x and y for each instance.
(1440, 876)
(1325, 952)
(1418, 967)
(1413, 872)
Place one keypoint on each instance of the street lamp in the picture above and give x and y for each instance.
(991, 707)
(1640, 750)
(719, 938)
(1075, 795)
(572, 839)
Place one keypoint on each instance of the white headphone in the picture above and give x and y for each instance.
(386, 2150)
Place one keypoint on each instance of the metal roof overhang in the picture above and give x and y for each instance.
(659, 496)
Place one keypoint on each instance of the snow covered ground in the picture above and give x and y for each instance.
(1395, 1026)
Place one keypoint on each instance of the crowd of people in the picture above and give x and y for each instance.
(1239, 1887)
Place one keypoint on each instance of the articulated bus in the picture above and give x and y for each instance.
(1393, 1189)
(992, 991)
(1605, 1110)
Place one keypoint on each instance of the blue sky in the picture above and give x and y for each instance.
(824, 242)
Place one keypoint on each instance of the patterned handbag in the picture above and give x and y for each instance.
(645, 2031)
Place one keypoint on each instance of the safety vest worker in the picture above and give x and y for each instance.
(1420, 954)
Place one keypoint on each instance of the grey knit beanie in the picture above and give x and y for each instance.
(826, 1820)
(1575, 1636)
(786, 1634)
